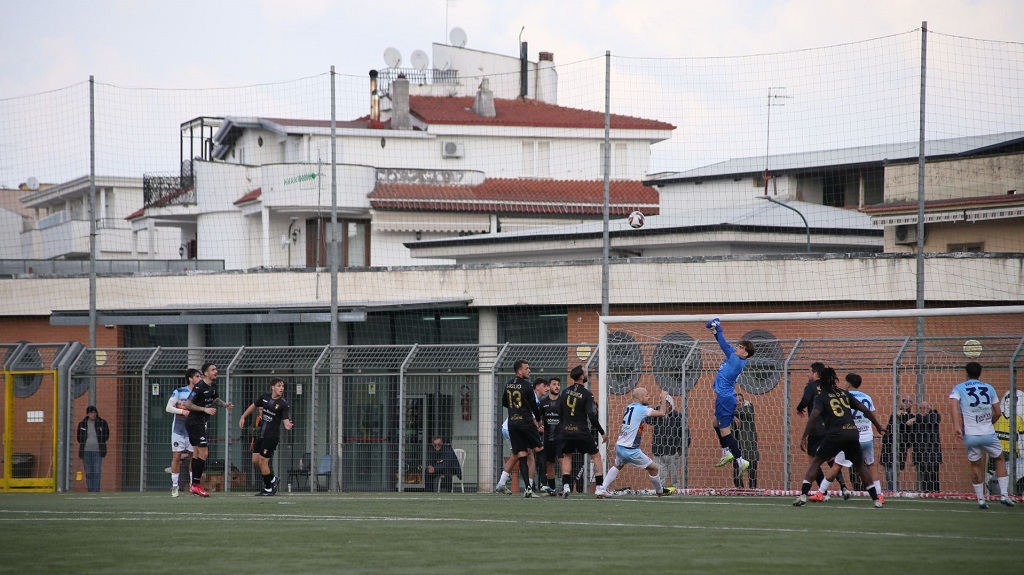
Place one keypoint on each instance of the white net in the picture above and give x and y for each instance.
(660, 353)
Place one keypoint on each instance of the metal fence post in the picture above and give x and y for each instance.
(787, 422)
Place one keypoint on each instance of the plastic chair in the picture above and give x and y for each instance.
(301, 473)
(460, 454)
(323, 470)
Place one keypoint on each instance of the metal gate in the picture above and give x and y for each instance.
(30, 430)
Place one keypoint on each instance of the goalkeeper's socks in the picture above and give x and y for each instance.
(733, 445)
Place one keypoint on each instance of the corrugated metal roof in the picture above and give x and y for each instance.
(841, 157)
(745, 213)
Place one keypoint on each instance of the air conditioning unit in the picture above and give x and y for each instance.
(906, 234)
(452, 150)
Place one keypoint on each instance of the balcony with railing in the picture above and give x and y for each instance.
(166, 189)
(65, 234)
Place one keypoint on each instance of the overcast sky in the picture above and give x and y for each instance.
(48, 44)
(851, 69)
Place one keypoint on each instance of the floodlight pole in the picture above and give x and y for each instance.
(605, 209)
(807, 228)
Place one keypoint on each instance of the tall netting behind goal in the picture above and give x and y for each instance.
(903, 374)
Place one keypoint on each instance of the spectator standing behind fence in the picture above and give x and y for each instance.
(441, 463)
(927, 455)
(746, 435)
(897, 424)
(667, 444)
(93, 433)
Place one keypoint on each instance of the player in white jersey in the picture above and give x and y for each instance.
(627, 448)
(510, 462)
(867, 444)
(975, 406)
(180, 446)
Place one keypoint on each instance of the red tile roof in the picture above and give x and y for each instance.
(977, 201)
(504, 195)
(521, 112)
(250, 196)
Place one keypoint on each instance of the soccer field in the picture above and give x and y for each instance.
(491, 533)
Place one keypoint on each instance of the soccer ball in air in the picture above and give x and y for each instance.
(636, 219)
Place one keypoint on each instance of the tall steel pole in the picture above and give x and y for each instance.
(920, 211)
(605, 210)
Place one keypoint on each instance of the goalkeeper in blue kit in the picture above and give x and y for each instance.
(725, 395)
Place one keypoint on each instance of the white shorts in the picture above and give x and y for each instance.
(978, 444)
(632, 455)
(180, 443)
(867, 450)
(842, 460)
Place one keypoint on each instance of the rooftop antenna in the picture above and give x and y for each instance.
(768, 136)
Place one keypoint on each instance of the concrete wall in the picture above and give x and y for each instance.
(962, 178)
(766, 280)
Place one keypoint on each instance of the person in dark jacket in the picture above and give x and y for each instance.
(441, 462)
(93, 433)
(667, 444)
(746, 434)
(898, 424)
(927, 454)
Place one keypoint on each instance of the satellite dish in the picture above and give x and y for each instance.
(457, 37)
(443, 63)
(32, 183)
(419, 60)
(392, 57)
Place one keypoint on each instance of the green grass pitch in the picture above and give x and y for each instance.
(489, 533)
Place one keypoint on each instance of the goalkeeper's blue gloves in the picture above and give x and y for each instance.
(714, 325)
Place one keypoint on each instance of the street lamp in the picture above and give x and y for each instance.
(807, 228)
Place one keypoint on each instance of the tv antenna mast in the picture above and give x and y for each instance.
(773, 95)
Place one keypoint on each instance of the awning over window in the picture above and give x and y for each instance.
(388, 221)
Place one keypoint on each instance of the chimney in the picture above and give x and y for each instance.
(374, 101)
(483, 103)
(400, 118)
(547, 78)
(524, 62)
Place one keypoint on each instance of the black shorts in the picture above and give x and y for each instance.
(196, 429)
(524, 437)
(552, 450)
(813, 441)
(265, 446)
(849, 445)
(579, 444)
